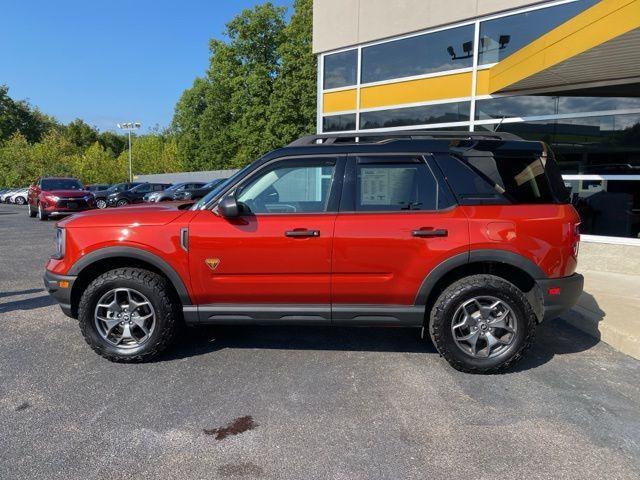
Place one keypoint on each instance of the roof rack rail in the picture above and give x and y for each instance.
(381, 137)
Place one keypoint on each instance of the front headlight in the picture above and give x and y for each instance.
(59, 243)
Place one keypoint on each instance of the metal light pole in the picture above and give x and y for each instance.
(129, 126)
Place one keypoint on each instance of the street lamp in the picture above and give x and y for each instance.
(129, 126)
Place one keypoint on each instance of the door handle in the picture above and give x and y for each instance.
(430, 232)
(302, 232)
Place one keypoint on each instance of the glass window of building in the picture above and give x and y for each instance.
(538, 105)
(422, 115)
(338, 123)
(340, 69)
(607, 207)
(589, 145)
(433, 52)
(503, 36)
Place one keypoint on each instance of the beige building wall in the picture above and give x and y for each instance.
(343, 23)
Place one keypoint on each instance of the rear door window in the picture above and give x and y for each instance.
(396, 184)
(493, 178)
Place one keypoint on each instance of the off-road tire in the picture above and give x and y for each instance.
(458, 292)
(165, 303)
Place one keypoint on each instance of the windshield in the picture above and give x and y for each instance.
(60, 184)
(212, 194)
(118, 187)
(175, 186)
(141, 188)
(215, 182)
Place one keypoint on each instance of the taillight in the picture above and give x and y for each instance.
(576, 239)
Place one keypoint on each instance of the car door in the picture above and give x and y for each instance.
(274, 261)
(397, 221)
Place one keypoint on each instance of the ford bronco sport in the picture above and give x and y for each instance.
(468, 236)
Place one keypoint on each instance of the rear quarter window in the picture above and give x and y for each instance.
(493, 178)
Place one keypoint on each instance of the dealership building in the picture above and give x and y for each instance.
(566, 72)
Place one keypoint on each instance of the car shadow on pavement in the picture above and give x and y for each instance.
(27, 304)
(20, 292)
(203, 340)
(554, 337)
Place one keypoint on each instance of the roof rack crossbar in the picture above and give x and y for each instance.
(329, 138)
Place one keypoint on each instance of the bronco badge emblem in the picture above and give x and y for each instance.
(212, 263)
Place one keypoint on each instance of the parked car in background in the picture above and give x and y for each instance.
(19, 197)
(101, 195)
(198, 193)
(4, 197)
(56, 196)
(96, 187)
(135, 194)
(170, 193)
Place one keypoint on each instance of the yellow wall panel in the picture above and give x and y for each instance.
(339, 101)
(483, 85)
(413, 91)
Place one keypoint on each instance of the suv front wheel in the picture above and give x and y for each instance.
(128, 315)
(482, 324)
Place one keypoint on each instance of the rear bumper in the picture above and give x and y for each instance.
(62, 295)
(560, 294)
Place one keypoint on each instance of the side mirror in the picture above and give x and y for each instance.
(228, 207)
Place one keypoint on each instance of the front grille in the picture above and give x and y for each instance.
(72, 203)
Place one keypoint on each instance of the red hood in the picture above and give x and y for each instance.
(67, 193)
(124, 216)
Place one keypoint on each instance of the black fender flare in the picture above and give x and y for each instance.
(475, 256)
(138, 254)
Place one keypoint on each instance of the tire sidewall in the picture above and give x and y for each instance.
(41, 213)
(87, 308)
(448, 307)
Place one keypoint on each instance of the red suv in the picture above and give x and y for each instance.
(468, 236)
(56, 196)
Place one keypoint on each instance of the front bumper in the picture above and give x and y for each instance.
(68, 207)
(54, 284)
(560, 294)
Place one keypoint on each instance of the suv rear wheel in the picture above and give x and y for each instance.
(482, 324)
(128, 315)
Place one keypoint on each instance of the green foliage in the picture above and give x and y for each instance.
(80, 134)
(293, 102)
(258, 93)
(21, 117)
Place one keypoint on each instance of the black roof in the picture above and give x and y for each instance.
(416, 141)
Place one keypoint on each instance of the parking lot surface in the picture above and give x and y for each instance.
(299, 403)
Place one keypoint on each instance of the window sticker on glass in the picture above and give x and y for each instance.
(386, 186)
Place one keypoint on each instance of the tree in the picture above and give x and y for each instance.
(14, 161)
(222, 121)
(21, 117)
(293, 101)
(112, 143)
(80, 134)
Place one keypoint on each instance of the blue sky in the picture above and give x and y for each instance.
(109, 61)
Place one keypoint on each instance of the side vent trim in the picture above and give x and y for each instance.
(184, 239)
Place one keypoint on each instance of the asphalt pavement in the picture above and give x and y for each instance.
(296, 403)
